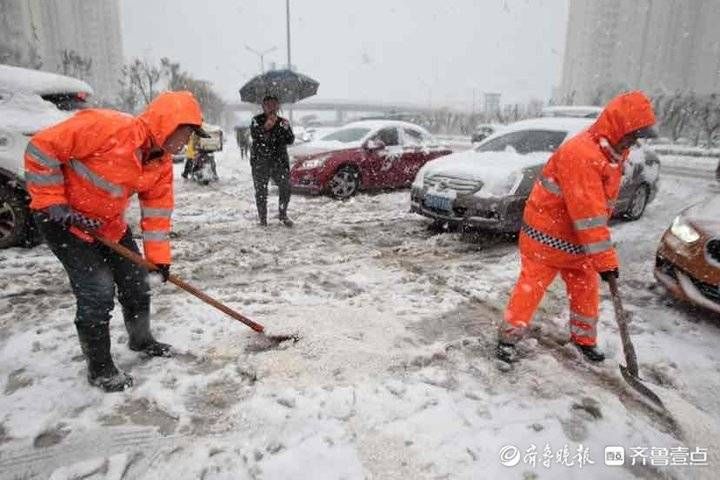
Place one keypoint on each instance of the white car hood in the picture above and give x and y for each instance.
(28, 113)
(488, 167)
(705, 215)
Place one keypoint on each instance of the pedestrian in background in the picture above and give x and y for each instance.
(242, 135)
(271, 135)
(190, 154)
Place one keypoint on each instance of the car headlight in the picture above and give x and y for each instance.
(313, 163)
(503, 188)
(683, 230)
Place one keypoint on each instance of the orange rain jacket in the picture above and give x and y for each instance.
(93, 163)
(566, 216)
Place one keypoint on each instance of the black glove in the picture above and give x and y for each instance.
(163, 270)
(59, 214)
(608, 274)
(65, 216)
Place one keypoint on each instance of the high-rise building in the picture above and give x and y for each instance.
(50, 31)
(660, 46)
(491, 103)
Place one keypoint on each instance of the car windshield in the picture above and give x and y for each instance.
(347, 135)
(525, 141)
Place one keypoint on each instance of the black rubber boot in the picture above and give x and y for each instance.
(262, 215)
(284, 219)
(506, 352)
(140, 338)
(591, 352)
(102, 373)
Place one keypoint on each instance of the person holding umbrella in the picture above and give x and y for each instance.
(271, 134)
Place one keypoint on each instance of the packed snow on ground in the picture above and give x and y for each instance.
(393, 377)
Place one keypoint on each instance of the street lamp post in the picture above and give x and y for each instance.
(289, 59)
(261, 55)
(287, 21)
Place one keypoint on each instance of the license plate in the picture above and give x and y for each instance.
(438, 203)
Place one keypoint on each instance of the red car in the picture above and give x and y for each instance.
(363, 155)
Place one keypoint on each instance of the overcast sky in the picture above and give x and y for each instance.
(422, 51)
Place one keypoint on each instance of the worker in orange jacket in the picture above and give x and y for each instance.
(565, 224)
(81, 174)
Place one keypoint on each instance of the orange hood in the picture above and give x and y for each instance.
(622, 115)
(168, 111)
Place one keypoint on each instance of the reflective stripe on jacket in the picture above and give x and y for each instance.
(566, 216)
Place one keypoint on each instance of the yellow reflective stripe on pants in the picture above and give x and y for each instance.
(578, 323)
(156, 236)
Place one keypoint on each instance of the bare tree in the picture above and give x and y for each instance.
(177, 79)
(675, 113)
(708, 118)
(145, 77)
(129, 96)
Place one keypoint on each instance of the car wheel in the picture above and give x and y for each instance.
(13, 218)
(638, 203)
(345, 183)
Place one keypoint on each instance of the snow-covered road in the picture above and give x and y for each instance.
(393, 376)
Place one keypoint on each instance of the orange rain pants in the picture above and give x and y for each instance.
(582, 284)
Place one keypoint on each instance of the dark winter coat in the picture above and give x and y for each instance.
(270, 146)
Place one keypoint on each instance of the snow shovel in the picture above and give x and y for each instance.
(630, 370)
(141, 261)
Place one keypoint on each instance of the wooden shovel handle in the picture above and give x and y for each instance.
(141, 261)
(622, 321)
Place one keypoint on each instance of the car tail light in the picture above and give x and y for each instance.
(82, 96)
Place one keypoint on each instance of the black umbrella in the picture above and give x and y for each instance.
(287, 85)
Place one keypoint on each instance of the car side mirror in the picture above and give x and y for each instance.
(374, 145)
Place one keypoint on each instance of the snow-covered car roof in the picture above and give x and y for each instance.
(378, 124)
(319, 144)
(559, 124)
(574, 111)
(17, 79)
